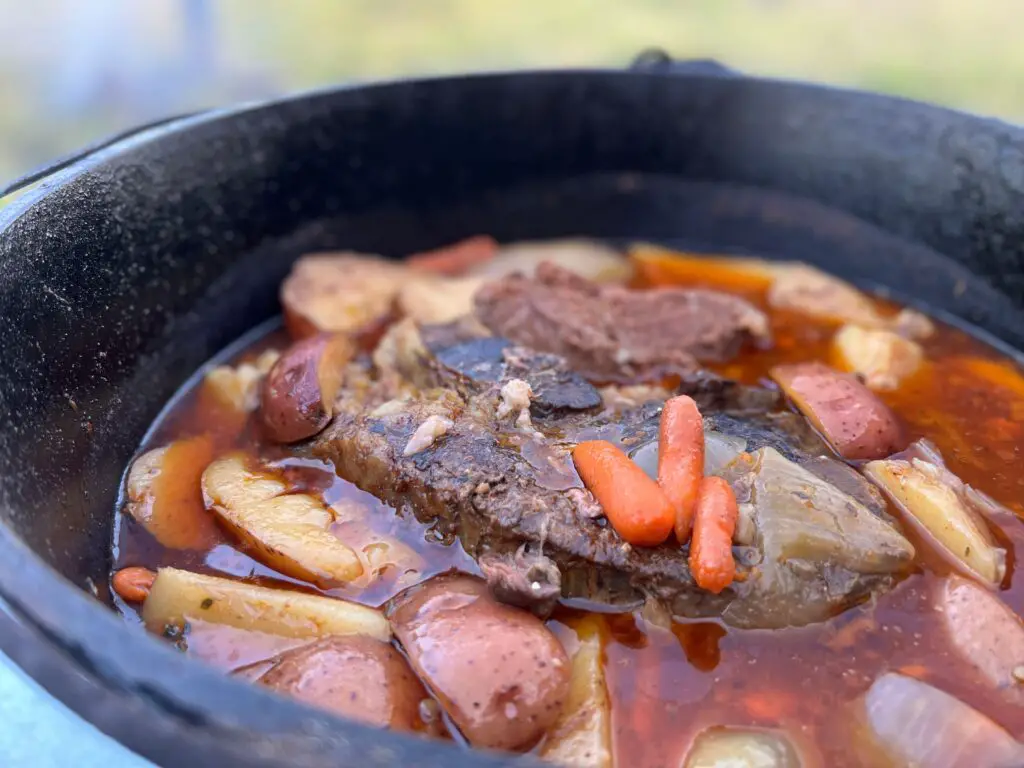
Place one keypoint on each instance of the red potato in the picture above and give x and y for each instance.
(345, 293)
(297, 399)
(500, 674)
(356, 677)
(849, 415)
(985, 632)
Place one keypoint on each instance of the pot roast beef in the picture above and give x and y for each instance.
(452, 455)
(612, 333)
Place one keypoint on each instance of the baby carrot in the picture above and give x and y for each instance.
(714, 522)
(633, 503)
(133, 584)
(457, 258)
(681, 459)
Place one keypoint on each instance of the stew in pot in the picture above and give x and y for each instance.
(635, 508)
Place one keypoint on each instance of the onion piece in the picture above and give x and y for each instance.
(917, 724)
(929, 497)
(719, 451)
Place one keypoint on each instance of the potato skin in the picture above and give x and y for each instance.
(359, 678)
(501, 675)
(297, 396)
(850, 416)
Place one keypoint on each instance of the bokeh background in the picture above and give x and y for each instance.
(72, 71)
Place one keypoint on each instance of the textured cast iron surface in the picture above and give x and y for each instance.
(123, 274)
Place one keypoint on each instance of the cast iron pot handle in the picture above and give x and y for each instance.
(656, 60)
(79, 154)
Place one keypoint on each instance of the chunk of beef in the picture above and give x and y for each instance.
(611, 333)
(513, 499)
(457, 357)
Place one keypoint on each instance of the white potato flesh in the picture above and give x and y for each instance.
(180, 596)
(808, 290)
(581, 738)
(917, 724)
(742, 748)
(238, 387)
(428, 299)
(586, 258)
(985, 632)
(290, 533)
(882, 357)
(941, 515)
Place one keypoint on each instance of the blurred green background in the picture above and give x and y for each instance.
(72, 71)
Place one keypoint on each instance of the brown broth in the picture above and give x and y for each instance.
(666, 685)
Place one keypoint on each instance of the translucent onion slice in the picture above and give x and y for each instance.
(917, 724)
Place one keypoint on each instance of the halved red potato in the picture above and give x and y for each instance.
(289, 532)
(177, 597)
(849, 415)
(357, 677)
(500, 674)
(346, 293)
(985, 632)
(164, 494)
(297, 398)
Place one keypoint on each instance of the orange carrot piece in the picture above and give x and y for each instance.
(634, 504)
(681, 459)
(714, 523)
(457, 258)
(133, 584)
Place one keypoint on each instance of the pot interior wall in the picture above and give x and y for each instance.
(122, 280)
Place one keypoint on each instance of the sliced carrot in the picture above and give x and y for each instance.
(681, 459)
(714, 522)
(133, 584)
(634, 504)
(457, 258)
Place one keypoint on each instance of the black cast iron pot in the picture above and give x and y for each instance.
(126, 270)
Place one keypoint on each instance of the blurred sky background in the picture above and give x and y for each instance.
(72, 71)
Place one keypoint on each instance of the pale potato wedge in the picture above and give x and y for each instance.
(939, 513)
(178, 596)
(290, 533)
(582, 736)
(164, 495)
(238, 387)
(428, 299)
(587, 258)
(883, 358)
